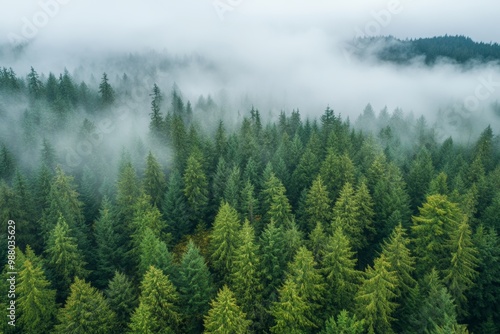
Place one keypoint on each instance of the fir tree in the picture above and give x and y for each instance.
(154, 180)
(86, 311)
(225, 315)
(122, 299)
(153, 252)
(156, 125)
(36, 302)
(195, 288)
(225, 239)
(338, 266)
(106, 91)
(318, 204)
(375, 296)
(64, 258)
(245, 273)
(175, 208)
(195, 189)
(345, 324)
(158, 305)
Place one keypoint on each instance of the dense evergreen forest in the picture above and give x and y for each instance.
(459, 49)
(195, 222)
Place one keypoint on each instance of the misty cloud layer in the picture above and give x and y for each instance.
(279, 56)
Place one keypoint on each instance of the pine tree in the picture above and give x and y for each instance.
(460, 275)
(154, 180)
(345, 324)
(439, 185)
(318, 204)
(276, 202)
(341, 276)
(305, 172)
(304, 273)
(195, 288)
(365, 210)
(147, 216)
(158, 305)
(225, 315)
(317, 242)
(63, 257)
(225, 239)
(375, 296)
(195, 189)
(175, 208)
(122, 299)
(291, 311)
(35, 86)
(245, 274)
(36, 302)
(86, 311)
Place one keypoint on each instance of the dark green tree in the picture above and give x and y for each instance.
(122, 299)
(106, 92)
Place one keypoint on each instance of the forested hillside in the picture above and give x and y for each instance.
(459, 49)
(172, 217)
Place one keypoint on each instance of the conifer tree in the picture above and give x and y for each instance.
(419, 178)
(195, 188)
(175, 208)
(338, 266)
(245, 274)
(122, 299)
(195, 287)
(291, 311)
(127, 193)
(304, 273)
(63, 257)
(345, 324)
(232, 188)
(156, 125)
(85, 311)
(249, 203)
(431, 229)
(109, 249)
(63, 200)
(147, 216)
(225, 315)
(317, 242)
(273, 263)
(36, 302)
(276, 202)
(225, 239)
(154, 180)
(153, 252)
(335, 171)
(158, 305)
(318, 204)
(106, 91)
(347, 216)
(35, 85)
(375, 296)
(460, 275)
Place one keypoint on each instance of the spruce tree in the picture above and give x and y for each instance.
(156, 124)
(195, 288)
(106, 91)
(345, 324)
(225, 239)
(153, 252)
(195, 189)
(85, 311)
(317, 204)
(225, 315)
(375, 296)
(338, 266)
(347, 216)
(245, 274)
(36, 302)
(175, 208)
(154, 180)
(64, 258)
(460, 275)
(291, 313)
(122, 299)
(158, 305)
(249, 203)
(310, 283)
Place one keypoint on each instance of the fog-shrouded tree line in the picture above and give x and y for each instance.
(209, 225)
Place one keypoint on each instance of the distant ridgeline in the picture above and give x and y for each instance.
(460, 49)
